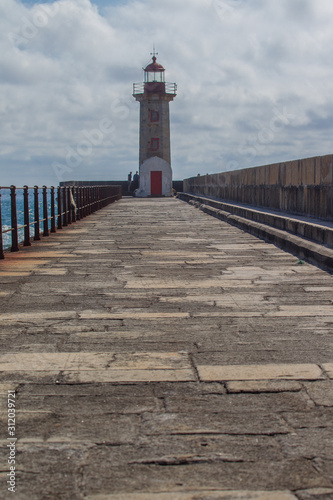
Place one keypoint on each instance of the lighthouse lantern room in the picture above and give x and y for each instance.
(154, 95)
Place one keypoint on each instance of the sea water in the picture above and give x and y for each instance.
(6, 213)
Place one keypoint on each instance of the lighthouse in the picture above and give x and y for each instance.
(154, 95)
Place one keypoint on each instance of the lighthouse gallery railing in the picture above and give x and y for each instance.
(170, 88)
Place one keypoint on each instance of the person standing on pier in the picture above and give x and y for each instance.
(129, 180)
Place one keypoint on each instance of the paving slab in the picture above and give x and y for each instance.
(200, 495)
(159, 353)
(260, 372)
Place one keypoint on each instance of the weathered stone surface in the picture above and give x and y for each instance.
(321, 392)
(261, 386)
(103, 343)
(328, 367)
(260, 372)
(315, 494)
(200, 495)
(202, 422)
(95, 361)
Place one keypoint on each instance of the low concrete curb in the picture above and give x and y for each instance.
(291, 238)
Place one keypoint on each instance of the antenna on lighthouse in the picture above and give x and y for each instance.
(154, 53)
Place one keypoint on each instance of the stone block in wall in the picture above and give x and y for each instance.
(221, 179)
(323, 202)
(250, 177)
(245, 177)
(261, 177)
(326, 169)
(274, 174)
(307, 171)
(282, 173)
(295, 178)
(288, 174)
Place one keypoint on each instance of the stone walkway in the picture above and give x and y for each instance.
(158, 353)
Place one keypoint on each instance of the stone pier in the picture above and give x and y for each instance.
(158, 353)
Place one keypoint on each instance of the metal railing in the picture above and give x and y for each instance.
(60, 207)
(168, 88)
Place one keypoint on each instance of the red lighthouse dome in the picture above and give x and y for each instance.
(154, 66)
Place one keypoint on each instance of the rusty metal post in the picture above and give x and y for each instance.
(36, 215)
(64, 202)
(83, 198)
(53, 216)
(89, 199)
(15, 246)
(59, 201)
(77, 201)
(45, 213)
(74, 204)
(80, 203)
(92, 199)
(83, 202)
(2, 256)
(27, 242)
(69, 205)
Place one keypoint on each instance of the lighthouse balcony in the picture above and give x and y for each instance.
(154, 88)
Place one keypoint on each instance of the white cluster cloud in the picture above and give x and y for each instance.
(254, 84)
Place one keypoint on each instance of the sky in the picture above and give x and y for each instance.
(254, 77)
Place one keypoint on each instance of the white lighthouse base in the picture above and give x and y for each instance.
(155, 178)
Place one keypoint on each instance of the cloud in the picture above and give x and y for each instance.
(254, 84)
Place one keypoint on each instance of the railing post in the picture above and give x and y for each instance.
(53, 216)
(81, 202)
(59, 200)
(83, 198)
(45, 213)
(89, 200)
(64, 201)
(15, 246)
(36, 215)
(77, 201)
(69, 205)
(93, 199)
(86, 199)
(74, 203)
(2, 256)
(27, 242)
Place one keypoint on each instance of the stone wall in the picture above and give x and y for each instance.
(299, 186)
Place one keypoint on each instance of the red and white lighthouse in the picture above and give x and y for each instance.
(154, 95)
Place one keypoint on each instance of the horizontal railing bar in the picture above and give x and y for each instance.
(30, 224)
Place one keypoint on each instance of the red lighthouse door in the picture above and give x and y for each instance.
(156, 183)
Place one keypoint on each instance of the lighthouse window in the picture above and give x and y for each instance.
(155, 76)
(154, 116)
(154, 144)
